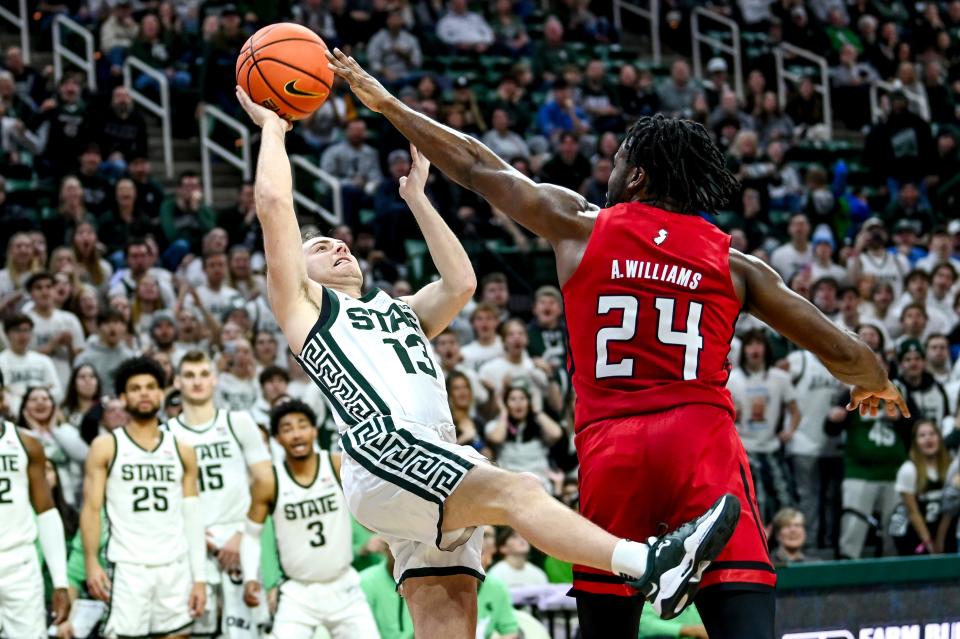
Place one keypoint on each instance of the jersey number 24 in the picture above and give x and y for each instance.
(690, 338)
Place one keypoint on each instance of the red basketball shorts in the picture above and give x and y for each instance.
(645, 475)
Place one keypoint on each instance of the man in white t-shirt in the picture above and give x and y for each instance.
(942, 293)
(941, 247)
(238, 388)
(796, 254)
(216, 296)
(140, 261)
(871, 257)
(516, 366)
(486, 344)
(515, 569)
(22, 367)
(823, 265)
(464, 29)
(56, 333)
(917, 284)
(447, 347)
(761, 395)
(814, 456)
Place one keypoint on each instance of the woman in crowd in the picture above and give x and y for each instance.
(920, 482)
(147, 300)
(790, 535)
(62, 443)
(91, 267)
(523, 436)
(460, 397)
(83, 392)
(21, 264)
(86, 306)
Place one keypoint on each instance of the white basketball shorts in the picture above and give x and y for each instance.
(396, 477)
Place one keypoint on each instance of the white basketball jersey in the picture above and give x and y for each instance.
(144, 506)
(18, 527)
(816, 392)
(313, 527)
(370, 357)
(223, 479)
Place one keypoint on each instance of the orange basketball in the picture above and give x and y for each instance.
(283, 67)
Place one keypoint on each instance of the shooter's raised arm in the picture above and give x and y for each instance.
(288, 287)
(550, 211)
(437, 303)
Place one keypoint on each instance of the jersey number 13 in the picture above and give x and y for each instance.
(690, 338)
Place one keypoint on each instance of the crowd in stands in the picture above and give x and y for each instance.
(101, 262)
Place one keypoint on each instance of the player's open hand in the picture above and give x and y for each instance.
(412, 185)
(98, 584)
(229, 556)
(198, 599)
(251, 594)
(363, 85)
(260, 115)
(61, 606)
(869, 401)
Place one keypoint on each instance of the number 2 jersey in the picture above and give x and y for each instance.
(18, 528)
(144, 505)
(370, 357)
(650, 311)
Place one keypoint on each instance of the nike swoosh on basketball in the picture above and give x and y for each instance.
(291, 89)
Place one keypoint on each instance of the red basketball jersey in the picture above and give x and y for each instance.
(650, 311)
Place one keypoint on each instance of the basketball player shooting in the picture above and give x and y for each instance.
(652, 293)
(403, 474)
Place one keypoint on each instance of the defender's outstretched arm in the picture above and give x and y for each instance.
(847, 358)
(550, 211)
(437, 303)
(288, 287)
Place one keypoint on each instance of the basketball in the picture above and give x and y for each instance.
(283, 67)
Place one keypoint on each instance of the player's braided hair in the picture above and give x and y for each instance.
(682, 163)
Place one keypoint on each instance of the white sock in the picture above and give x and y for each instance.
(629, 559)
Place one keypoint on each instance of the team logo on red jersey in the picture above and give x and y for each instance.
(661, 237)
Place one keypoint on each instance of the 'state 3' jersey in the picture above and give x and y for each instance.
(312, 524)
(18, 527)
(144, 505)
(371, 357)
(222, 462)
(650, 311)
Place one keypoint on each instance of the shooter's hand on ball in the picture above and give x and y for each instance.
(364, 85)
(260, 115)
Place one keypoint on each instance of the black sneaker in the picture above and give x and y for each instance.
(677, 560)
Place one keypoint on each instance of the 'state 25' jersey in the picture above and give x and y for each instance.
(18, 527)
(312, 524)
(650, 311)
(370, 357)
(144, 505)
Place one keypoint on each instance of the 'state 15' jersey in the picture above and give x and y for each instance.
(222, 463)
(650, 311)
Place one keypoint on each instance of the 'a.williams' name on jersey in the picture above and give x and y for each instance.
(144, 504)
(312, 524)
(371, 357)
(650, 311)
